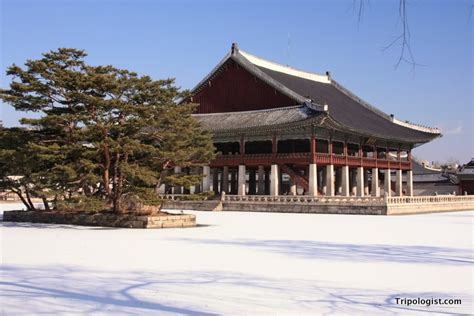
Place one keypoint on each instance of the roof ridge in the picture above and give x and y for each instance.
(265, 63)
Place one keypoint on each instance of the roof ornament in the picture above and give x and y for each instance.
(315, 107)
(234, 48)
(328, 74)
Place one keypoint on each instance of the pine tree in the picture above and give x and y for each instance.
(105, 132)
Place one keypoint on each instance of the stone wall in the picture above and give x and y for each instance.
(305, 208)
(331, 205)
(433, 207)
(102, 219)
(206, 205)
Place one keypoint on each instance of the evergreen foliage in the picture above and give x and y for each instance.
(103, 133)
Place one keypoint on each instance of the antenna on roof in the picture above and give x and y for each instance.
(288, 50)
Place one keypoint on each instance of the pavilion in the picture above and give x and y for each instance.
(279, 130)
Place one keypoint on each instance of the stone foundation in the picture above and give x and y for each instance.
(102, 219)
(331, 205)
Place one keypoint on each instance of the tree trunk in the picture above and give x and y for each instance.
(45, 203)
(22, 198)
(105, 171)
(27, 193)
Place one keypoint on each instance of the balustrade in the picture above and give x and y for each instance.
(305, 158)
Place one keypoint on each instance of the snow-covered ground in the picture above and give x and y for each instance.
(241, 263)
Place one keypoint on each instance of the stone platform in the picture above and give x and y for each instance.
(328, 205)
(102, 219)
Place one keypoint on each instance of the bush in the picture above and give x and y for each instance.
(83, 204)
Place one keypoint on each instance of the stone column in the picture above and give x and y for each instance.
(261, 181)
(360, 181)
(313, 180)
(338, 172)
(330, 180)
(267, 182)
(375, 182)
(215, 180)
(345, 181)
(353, 182)
(274, 180)
(388, 182)
(366, 182)
(293, 188)
(242, 180)
(176, 189)
(161, 189)
(233, 182)
(225, 180)
(252, 182)
(398, 183)
(324, 181)
(206, 178)
(410, 182)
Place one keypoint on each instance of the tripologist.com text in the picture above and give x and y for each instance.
(427, 301)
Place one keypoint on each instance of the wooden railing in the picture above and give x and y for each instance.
(305, 158)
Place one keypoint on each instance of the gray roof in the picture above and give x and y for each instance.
(251, 119)
(418, 168)
(346, 109)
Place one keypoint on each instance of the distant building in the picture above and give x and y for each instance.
(466, 178)
(429, 181)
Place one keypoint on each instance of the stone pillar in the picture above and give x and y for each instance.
(225, 180)
(353, 182)
(375, 182)
(360, 181)
(345, 181)
(388, 182)
(313, 180)
(338, 172)
(206, 178)
(267, 182)
(242, 180)
(410, 182)
(176, 189)
(252, 182)
(330, 180)
(274, 185)
(293, 188)
(233, 182)
(261, 181)
(324, 181)
(162, 189)
(398, 183)
(215, 180)
(366, 182)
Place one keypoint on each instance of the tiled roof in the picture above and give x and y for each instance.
(348, 111)
(251, 119)
(317, 90)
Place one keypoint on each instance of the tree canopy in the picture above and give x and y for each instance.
(103, 134)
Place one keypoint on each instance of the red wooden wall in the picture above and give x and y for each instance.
(235, 89)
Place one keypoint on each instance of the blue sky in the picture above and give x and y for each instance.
(186, 39)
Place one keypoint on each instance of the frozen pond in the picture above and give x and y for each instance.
(241, 263)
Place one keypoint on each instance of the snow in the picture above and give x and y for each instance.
(241, 263)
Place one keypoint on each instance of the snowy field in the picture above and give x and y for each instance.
(241, 263)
